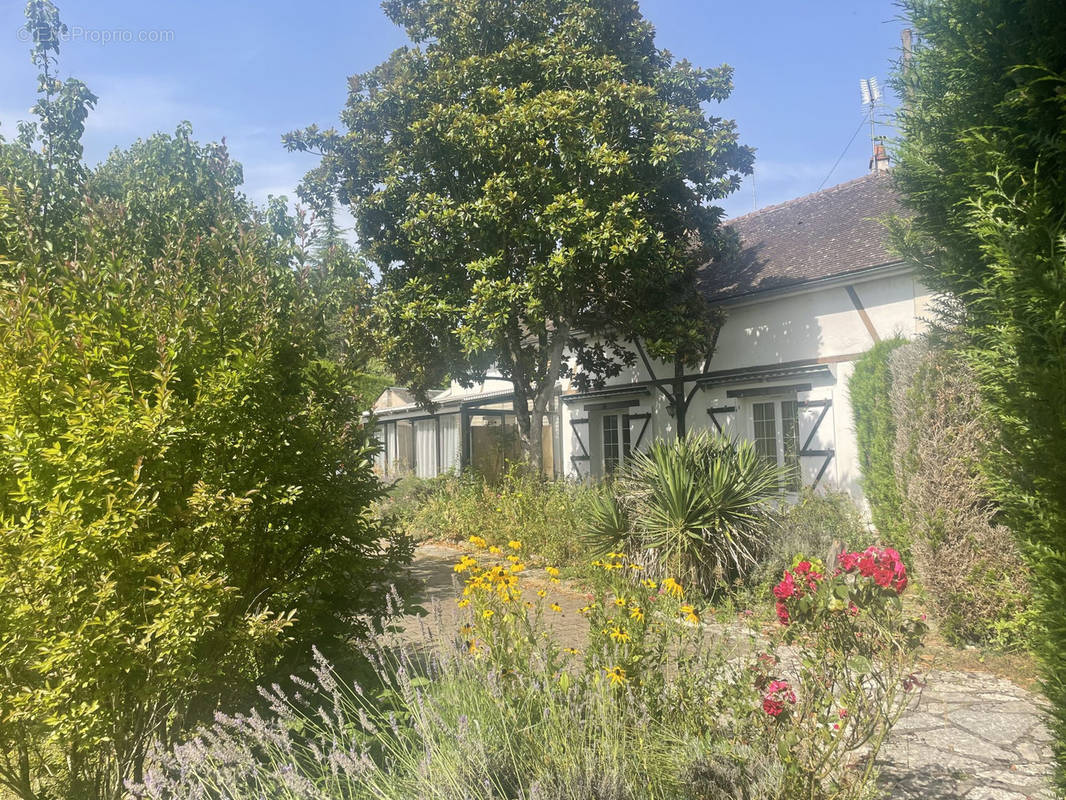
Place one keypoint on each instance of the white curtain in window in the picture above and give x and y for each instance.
(391, 443)
(449, 443)
(426, 448)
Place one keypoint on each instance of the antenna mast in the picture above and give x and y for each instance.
(870, 90)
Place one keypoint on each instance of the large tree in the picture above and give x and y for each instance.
(983, 167)
(531, 178)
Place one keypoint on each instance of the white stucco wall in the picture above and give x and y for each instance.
(818, 326)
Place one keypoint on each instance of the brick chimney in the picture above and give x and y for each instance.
(879, 160)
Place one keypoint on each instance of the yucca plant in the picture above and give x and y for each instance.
(697, 509)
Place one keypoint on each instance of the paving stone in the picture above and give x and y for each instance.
(918, 721)
(954, 740)
(1002, 697)
(994, 794)
(1034, 752)
(993, 725)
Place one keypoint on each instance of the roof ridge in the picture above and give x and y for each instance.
(802, 198)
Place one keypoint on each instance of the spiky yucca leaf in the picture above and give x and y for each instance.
(697, 508)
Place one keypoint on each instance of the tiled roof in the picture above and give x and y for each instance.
(822, 235)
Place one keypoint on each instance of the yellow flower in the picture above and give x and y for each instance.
(673, 588)
(466, 630)
(487, 613)
(465, 563)
(619, 635)
(513, 559)
(613, 565)
(494, 549)
(553, 571)
(636, 566)
(474, 649)
(689, 614)
(464, 602)
(648, 583)
(585, 610)
(517, 567)
(541, 593)
(620, 602)
(616, 675)
(504, 594)
(572, 651)
(555, 607)
(514, 544)
(477, 541)
(635, 612)
(616, 555)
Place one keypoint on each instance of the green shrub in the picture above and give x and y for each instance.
(968, 561)
(817, 524)
(697, 508)
(875, 431)
(183, 501)
(544, 515)
(184, 483)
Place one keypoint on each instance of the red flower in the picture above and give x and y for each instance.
(848, 561)
(782, 612)
(867, 565)
(883, 576)
(803, 567)
(786, 588)
(777, 694)
(772, 707)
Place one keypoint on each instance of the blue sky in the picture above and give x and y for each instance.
(249, 71)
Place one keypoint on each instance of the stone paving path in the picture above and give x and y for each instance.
(970, 736)
(973, 736)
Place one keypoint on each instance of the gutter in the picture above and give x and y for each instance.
(887, 269)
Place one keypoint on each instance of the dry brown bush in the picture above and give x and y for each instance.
(969, 563)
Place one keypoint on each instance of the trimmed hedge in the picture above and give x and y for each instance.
(875, 430)
(966, 558)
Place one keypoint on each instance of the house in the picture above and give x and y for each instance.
(812, 288)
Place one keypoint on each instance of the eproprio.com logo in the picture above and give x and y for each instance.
(78, 33)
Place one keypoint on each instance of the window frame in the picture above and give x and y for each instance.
(622, 444)
(786, 437)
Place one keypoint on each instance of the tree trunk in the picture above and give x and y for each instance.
(530, 417)
(678, 399)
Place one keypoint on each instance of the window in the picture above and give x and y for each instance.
(616, 447)
(775, 432)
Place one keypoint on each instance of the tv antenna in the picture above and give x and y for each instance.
(870, 90)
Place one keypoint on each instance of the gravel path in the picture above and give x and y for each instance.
(970, 736)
